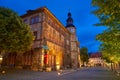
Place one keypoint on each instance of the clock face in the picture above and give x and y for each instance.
(72, 30)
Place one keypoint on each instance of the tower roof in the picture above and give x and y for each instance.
(69, 14)
(69, 21)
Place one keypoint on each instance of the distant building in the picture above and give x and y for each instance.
(54, 46)
(95, 59)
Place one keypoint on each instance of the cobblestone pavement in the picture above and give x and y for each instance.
(96, 73)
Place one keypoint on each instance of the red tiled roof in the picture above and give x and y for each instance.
(96, 55)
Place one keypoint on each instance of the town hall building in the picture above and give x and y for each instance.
(55, 46)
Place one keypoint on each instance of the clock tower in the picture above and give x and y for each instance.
(69, 24)
(74, 44)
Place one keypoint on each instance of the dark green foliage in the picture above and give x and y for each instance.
(15, 35)
(84, 54)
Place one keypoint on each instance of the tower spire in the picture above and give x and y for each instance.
(69, 21)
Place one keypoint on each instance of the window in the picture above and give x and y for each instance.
(60, 37)
(35, 35)
(54, 33)
(26, 21)
(34, 20)
(48, 21)
(67, 42)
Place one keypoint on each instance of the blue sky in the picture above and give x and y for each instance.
(81, 14)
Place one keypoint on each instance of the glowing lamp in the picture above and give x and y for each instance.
(1, 58)
(57, 67)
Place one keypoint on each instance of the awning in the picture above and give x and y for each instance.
(45, 47)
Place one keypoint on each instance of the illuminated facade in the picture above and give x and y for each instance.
(54, 45)
(95, 59)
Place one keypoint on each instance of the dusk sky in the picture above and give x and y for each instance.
(81, 14)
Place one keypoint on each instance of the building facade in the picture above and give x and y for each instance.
(54, 45)
(95, 59)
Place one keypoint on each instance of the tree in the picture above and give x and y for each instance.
(108, 12)
(15, 35)
(84, 55)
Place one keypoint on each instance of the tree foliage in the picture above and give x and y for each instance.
(84, 54)
(108, 12)
(15, 35)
